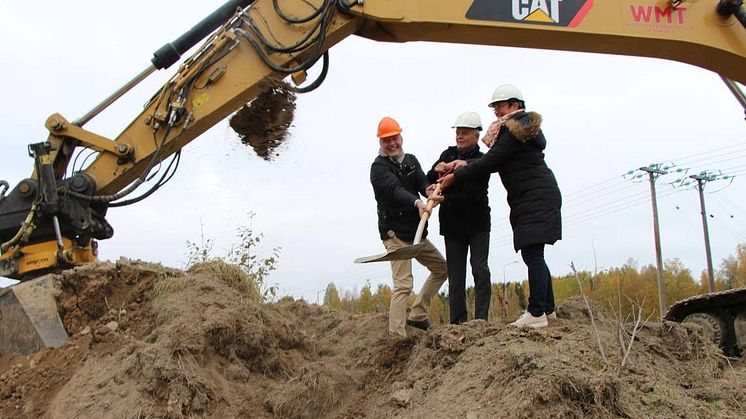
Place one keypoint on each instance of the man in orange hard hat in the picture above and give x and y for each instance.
(398, 181)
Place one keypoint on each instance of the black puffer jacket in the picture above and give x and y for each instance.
(533, 195)
(466, 209)
(397, 187)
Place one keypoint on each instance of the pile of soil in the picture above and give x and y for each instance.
(264, 122)
(153, 342)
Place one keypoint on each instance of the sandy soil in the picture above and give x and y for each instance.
(153, 342)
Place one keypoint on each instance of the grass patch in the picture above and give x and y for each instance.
(232, 275)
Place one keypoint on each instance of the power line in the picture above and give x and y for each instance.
(592, 197)
(631, 204)
(624, 200)
(730, 169)
(616, 180)
(591, 193)
(723, 160)
(731, 204)
(736, 145)
(735, 229)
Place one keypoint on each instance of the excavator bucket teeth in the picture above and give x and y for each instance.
(29, 320)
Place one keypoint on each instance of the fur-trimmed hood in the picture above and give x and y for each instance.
(526, 126)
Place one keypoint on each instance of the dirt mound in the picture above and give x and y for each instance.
(148, 341)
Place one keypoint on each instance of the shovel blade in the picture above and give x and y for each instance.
(402, 253)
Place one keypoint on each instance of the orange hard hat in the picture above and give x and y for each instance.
(388, 127)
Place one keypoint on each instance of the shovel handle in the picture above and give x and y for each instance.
(426, 215)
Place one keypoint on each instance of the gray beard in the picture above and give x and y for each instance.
(398, 159)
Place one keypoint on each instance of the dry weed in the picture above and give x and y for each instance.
(230, 274)
(167, 286)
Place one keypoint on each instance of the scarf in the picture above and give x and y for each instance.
(494, 130)
(396, 159)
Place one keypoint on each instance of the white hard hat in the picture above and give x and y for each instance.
(468, 120)
(506, 92)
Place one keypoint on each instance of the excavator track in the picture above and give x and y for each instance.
(721, 314)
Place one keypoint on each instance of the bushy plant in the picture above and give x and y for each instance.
(240, 266)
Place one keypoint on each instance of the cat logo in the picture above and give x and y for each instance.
(546, 12)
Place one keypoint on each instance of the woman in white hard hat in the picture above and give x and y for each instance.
(465, 223)
(517, 154)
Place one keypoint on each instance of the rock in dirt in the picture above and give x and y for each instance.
(401, 398)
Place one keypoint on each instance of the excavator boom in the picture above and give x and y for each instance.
(686, 31)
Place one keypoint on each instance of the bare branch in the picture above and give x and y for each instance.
(620, 326)
(590, 313)
(639, 323)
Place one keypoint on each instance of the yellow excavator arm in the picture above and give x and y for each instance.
(688, 31)
(48, 221)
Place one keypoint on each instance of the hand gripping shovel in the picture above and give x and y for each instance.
(414, 249)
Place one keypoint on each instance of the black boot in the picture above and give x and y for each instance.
(420, 324)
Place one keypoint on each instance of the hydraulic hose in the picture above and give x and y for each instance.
(728, 8)
(25, 230)
(4, 186)
(320, 79)
(168, 54)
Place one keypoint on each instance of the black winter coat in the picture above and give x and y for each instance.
(533, 195)
(466, 209)
(397, 187)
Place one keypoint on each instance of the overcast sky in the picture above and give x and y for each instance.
(603, 116)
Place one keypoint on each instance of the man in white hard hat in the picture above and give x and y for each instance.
(398, 181)
(465, 222)
(517, 154)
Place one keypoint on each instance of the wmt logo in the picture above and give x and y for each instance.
(651, 13)
(548, 12)
(652, 17)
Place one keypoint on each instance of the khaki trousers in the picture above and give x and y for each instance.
(401, 271)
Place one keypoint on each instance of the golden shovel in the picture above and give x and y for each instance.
(412, 250)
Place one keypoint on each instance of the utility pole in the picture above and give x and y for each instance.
(654, 172)
(701, 180)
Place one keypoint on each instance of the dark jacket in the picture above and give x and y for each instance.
(533, 195)
(397, 187)
(466, 209)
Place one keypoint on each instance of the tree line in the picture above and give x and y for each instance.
(620, 289)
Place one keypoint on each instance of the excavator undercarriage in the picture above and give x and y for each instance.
(722, 316)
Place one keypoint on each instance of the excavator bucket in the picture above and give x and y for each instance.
(29, 320)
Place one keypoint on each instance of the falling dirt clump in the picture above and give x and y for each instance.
(153, 342)
(264, 122)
